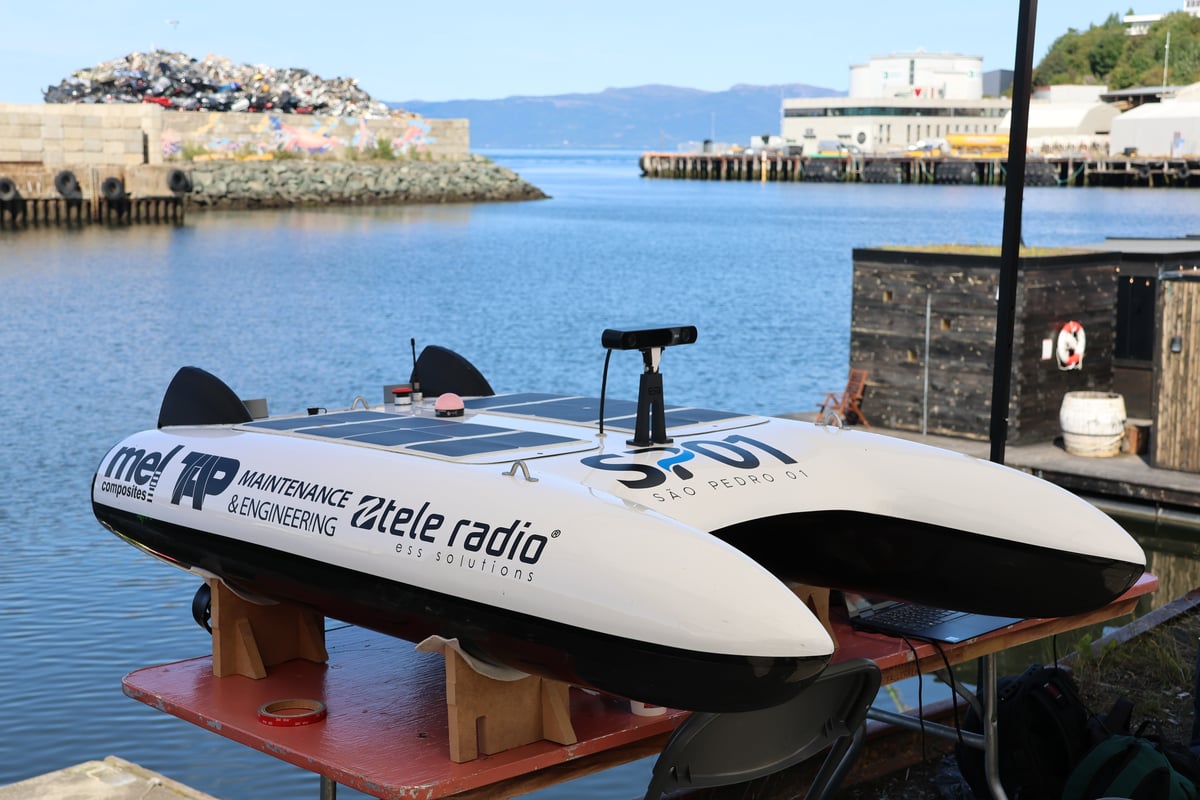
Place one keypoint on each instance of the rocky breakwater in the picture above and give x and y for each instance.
(296, 182)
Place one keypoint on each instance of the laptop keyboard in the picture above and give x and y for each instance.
(913, 617)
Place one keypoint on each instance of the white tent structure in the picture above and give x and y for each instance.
(1170, 129)
(1067, 126)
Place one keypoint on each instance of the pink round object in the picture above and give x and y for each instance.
(448, 405)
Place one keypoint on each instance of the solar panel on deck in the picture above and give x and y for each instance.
(430, 421)
(676, 418)
(357, 428)
(573, 409)
(397, 437)
(429, 435)
(508, 400)
(511, 440)
(460, 429)
(618, 414)
(693, 416)
(317, 420)
(455, 448)
(533, 439)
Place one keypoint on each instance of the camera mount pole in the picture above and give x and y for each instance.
(651, 427)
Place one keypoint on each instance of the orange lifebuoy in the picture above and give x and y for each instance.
(1072, 342)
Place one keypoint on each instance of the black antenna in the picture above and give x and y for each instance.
(1010, 245)
(416, 379)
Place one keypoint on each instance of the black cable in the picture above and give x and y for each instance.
(604, 389)
(920, 693)
(953, 691)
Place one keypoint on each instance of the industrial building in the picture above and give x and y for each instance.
(1169, 128)
(915, 101)
(897, 102)
(1068, 119)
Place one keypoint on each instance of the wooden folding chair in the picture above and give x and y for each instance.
(847, 403)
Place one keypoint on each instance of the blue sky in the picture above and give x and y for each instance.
(404, 50)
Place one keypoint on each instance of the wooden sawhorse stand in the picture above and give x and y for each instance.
(485, 715)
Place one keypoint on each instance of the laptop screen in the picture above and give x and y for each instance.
(857, 604)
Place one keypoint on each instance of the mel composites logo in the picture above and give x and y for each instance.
(134, 472)
(760, 462)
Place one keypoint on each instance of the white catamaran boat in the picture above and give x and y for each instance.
(634, 547)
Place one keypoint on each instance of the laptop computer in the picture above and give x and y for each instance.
(915, 621)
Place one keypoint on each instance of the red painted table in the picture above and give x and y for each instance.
(385, 732)
(896, 660)
(386, 729)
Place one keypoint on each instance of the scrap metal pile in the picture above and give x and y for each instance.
(215, 83)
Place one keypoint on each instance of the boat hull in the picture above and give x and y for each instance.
(883, 556)
(669, 676)
(546, 542)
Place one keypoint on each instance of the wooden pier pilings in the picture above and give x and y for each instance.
(41, 212)
(34, 195)
(1057, 170)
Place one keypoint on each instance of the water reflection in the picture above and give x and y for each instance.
(341, 219)
(1172, 554)
(315, 306)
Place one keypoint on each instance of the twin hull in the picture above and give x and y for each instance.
(658, 573)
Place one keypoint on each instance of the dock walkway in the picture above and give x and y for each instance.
(113, 778)
(1050, 170)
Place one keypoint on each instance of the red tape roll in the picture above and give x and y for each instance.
(291, 713)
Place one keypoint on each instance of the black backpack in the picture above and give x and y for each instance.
(1042, 725)
(1130, 767)
(1141, 766)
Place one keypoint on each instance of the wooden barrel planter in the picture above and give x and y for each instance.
(1093, 423)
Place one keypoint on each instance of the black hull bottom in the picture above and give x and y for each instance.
(922, 563)
(641, 670)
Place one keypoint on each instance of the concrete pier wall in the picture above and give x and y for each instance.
(56, 160)
(201, 135)
(31, 193)
(91, 134)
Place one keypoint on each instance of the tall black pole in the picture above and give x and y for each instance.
(1010, 243)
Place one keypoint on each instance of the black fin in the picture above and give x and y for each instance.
(442, 370)
(196, 397)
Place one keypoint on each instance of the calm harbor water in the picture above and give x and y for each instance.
(311, 308)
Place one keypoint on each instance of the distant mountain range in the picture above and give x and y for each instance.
(637, 118)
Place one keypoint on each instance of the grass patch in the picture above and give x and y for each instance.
(1155, 670)
(992, 250)
(189, 150)
(382, 150)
